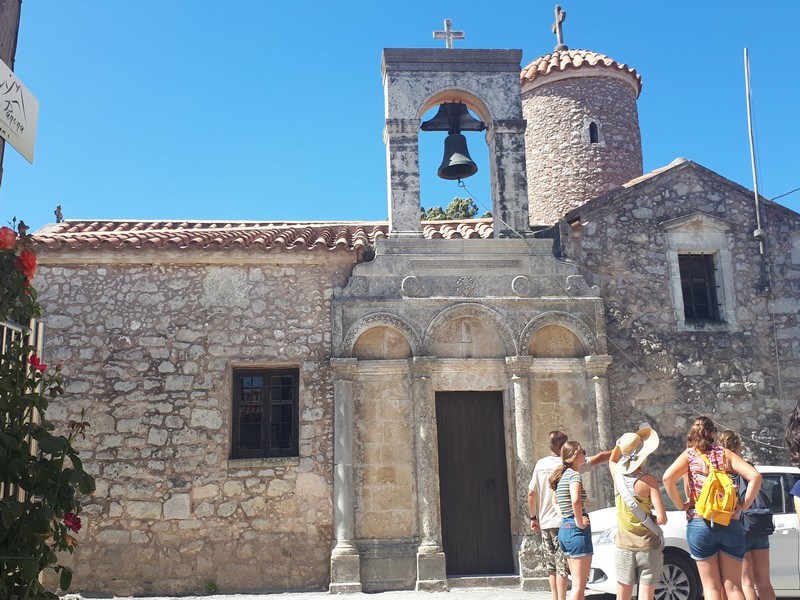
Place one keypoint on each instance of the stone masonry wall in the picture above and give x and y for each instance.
(564, 168)
(147, 353)
(667, 376)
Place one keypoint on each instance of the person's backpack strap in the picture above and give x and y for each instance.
(626, 492)
(707, 461)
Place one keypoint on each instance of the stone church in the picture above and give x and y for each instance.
(358, 406)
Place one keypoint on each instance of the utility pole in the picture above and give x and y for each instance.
(10, 11)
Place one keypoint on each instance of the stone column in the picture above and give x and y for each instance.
(506, 140)
(401, 137)
(596, 367)
(431, 573)
(520, 385)
(345, 561)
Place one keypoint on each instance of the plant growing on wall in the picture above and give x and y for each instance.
(41, 475)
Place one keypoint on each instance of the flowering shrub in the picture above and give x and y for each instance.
(41, 475)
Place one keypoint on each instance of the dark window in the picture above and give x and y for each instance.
(771, 484)
(789, 482)
(594, 133)
(699, 287)
(265, 407)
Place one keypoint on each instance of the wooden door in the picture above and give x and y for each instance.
(473, 483)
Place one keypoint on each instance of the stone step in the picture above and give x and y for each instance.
(473, 581)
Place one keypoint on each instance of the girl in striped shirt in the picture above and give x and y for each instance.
(575, 534)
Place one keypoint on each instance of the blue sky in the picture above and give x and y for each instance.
(265, 110)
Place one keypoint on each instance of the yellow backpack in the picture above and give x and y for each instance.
(717, 499)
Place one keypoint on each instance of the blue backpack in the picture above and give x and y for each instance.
(756, 520)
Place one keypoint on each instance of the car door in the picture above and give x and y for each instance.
(784, 544)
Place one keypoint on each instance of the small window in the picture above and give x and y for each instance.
(699, 287)
(265, 413)
(594, 133)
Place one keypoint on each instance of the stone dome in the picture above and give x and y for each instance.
(576, 63)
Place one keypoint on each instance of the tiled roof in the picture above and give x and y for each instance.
(188, 235)
(564, 60)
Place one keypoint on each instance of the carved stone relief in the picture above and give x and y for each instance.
(382, 319)
(465, 286)
(583, 333)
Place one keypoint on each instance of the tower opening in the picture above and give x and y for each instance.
(438, 192)
(594, 133)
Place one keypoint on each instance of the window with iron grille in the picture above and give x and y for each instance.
(699, 288)
(265, 413)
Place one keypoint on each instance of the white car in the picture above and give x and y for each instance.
(679, 579)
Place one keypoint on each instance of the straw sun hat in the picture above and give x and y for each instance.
(636, 447)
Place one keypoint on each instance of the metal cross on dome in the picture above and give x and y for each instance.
(448, 34)
(561, 16)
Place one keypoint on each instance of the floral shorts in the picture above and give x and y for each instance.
(550, 555)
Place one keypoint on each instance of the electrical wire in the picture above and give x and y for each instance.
(786, 194)
(659, 385)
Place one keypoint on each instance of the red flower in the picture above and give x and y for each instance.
(26, 262)
(73, 522)
(7, 238)
(37, 363)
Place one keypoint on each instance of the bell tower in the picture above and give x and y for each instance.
(487, 82)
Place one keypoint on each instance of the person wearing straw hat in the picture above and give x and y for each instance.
(639, 541)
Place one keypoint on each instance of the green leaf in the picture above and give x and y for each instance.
(86, 483)
(28, 566)
(50, 444)
(7, 517)
(76, 462)
(66, 579)
(8, 440)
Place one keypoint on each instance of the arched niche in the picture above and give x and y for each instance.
(386, 333)
(555, 341)
(469, 331)
(381, 342)
(556, 334)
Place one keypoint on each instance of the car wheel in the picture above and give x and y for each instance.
(678, 579)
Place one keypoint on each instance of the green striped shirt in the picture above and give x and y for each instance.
(563, 498)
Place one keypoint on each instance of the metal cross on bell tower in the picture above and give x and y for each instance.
(448, 35)
(561, 16)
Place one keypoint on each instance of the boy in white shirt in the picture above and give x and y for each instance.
(545, 521)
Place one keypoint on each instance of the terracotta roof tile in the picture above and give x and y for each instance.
(563, 60)
(189, 235)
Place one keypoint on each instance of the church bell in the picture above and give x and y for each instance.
(457, 163)
(453, 117)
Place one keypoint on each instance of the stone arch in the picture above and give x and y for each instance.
(557, 335)
(456, 94)
(469, 330)
(387, 330)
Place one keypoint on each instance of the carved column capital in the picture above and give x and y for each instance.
(597, 364)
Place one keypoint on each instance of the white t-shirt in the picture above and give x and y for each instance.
(540, 483)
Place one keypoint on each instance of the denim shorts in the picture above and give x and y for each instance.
(574, 541)
(706, 540)
(759, 542)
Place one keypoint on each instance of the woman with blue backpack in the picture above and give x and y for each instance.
(758, 525)
(713, 531)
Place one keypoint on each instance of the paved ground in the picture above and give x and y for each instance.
(453, 594)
